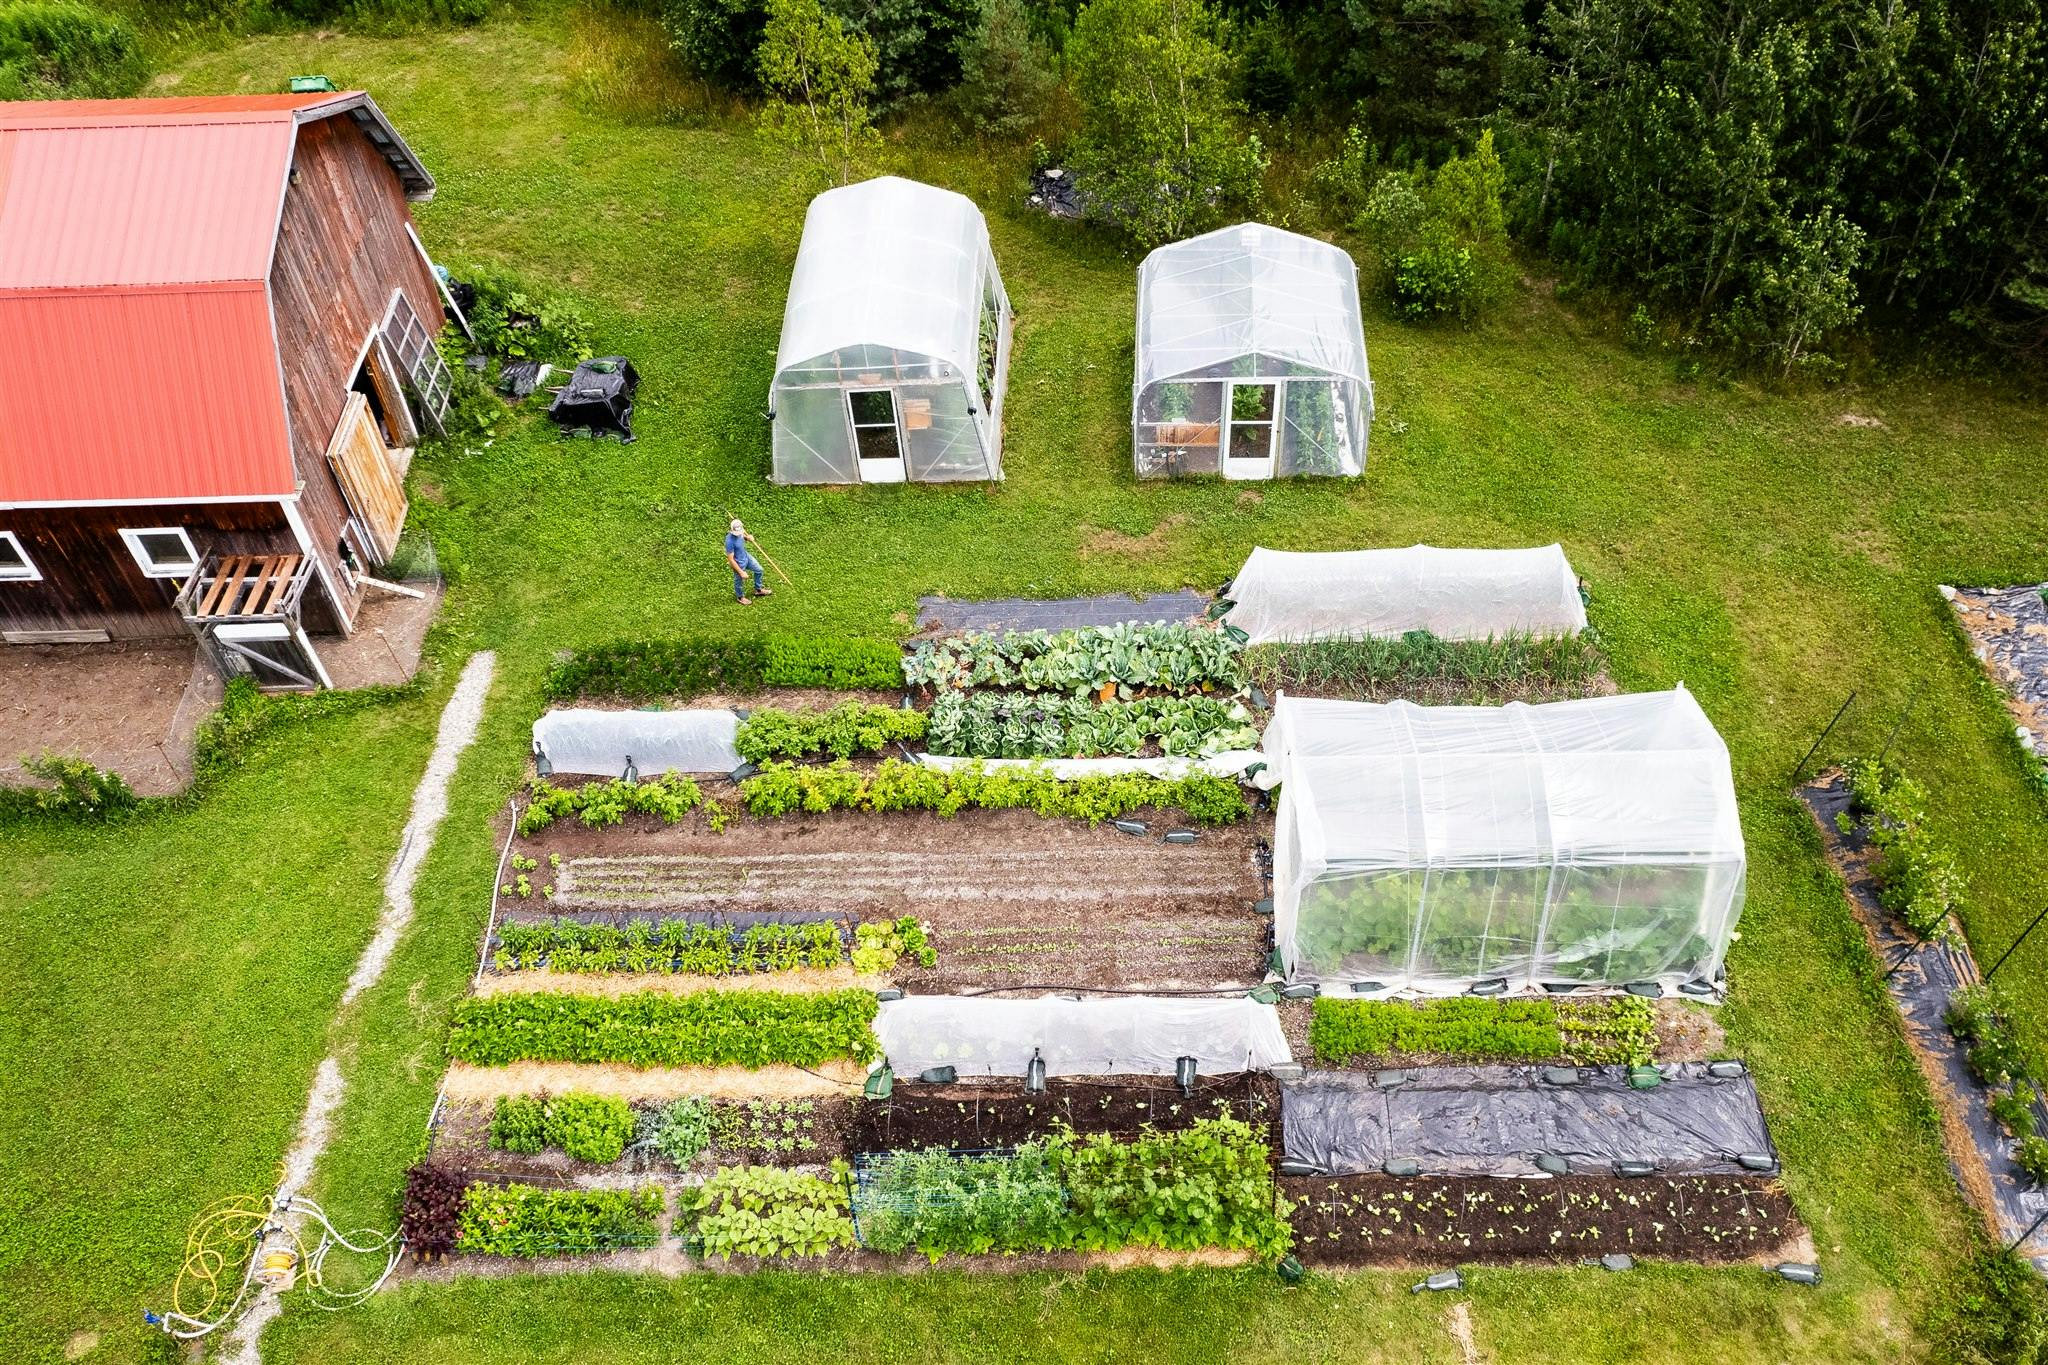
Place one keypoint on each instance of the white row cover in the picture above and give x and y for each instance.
(1229, 764)
(895, 289)
(1250, 357)
(1592, 841)
(1125, 1036)
(1286, 595)
(601, 743)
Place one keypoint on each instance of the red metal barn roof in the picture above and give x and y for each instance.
(137, 357)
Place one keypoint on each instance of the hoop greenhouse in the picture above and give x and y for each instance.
(1437, 848)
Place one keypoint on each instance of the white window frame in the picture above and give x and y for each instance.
(150, 568)
(29, 573)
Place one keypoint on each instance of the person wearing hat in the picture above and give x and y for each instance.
(743, 564)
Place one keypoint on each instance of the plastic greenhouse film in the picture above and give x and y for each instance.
(601, 743)
(1125, 1036)
(1453, 594)
(1496, 1120)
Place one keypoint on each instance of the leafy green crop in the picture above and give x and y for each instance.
(780, 788)
(670, 796)
(670, 946)
(1171, 655)
(768, 1211)
(594, 1128)
(525, 1220)
(1421, 664)
(940, 1202)
(1343, 1029)
(1028, 725)
(704, 1028)
(852, 727)
(879, 944)
(1209, 1185)
(681, 1129)
(1916, 872)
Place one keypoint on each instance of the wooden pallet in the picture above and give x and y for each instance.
(248, 585)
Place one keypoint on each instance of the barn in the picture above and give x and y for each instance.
(217, 353)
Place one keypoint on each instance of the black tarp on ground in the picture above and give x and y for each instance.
(1496, 1120)
(1066, 613)
(598, 398)
(1927, 975)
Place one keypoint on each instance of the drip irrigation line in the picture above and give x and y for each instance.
(491, 926)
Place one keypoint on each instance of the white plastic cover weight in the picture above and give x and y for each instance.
(1285, 595)
(1122, 1036)
(600, 742)
(1593, 841)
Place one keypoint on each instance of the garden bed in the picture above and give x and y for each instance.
(972, 1117)
(1433, 672)
(2008, 631)
(1927, 975)
(1010, 900)
(1367, 1220)
(461, 1140)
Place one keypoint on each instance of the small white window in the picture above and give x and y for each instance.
(162, 551)
(15, 565)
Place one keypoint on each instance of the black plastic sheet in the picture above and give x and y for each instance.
(1497, 1120)
(599, 397)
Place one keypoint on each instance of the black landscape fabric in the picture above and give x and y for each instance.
(599, 396)
(1496, 1120)
(1067, 613)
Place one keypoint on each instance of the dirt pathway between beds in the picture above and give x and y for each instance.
(460, 719)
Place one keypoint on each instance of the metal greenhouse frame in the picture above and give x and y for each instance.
(895, 342)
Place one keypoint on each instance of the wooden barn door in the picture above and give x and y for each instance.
(369, 477)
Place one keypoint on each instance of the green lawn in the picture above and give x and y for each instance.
(176, 978)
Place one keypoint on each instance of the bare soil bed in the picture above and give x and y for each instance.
(970, 1117)
(1376, 1219)
(1011, 900)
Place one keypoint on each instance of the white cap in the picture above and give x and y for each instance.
(736, 527)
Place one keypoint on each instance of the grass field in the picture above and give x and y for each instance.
(176, 979)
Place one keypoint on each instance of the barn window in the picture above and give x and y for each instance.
(419, 360)
(162, 551)
(15, 565)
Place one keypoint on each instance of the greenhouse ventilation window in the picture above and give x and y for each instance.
(1594, 842)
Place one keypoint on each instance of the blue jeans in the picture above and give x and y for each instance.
(747, 565)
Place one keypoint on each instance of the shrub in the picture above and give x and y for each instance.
(717, 38)
(1342, 1029)
(60, 49)
(1981, 1016)
(681, 1129)
(431, 1213)
(525, 1220)
(2032, 1157)
(1435, 278)
(1208, 1185)
(705, 1028)
(593, 1128)
(518, 321)
(940, 1202)
(780, 788)
(81, 791)
(850, 728)
(767, 1211)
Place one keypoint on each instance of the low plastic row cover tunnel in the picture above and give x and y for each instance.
(603, 743)
(1250, 358)
(895, 343)
(1434, 848)
(1286, 595)
(1123, 1036)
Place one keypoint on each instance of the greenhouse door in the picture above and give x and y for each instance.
(875, 438)
(1251, 430)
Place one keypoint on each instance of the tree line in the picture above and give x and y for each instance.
(1763, 171)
